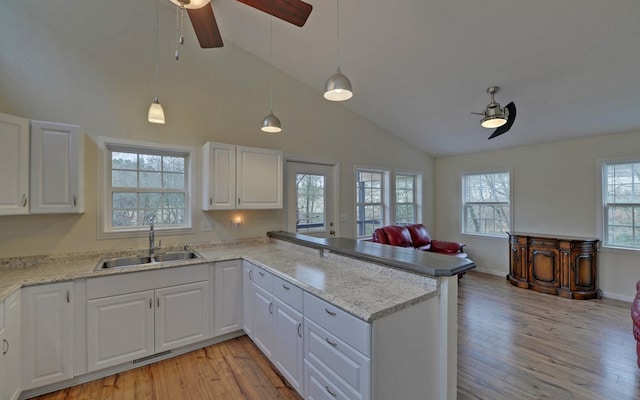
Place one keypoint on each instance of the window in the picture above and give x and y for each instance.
(487, 203)
(144, 182)
(621, 198)
(370, 201)
(407, 198)
(310, 209)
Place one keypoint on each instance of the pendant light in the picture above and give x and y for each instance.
(338, 86)
(271, 123)
(156, 113)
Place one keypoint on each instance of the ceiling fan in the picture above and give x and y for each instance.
(204, 22)
(496, 116)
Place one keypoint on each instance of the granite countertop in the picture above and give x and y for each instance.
(364, 289)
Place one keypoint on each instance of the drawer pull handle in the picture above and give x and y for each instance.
(250, 274)
(300, 329)
(75, 200)
(286, 287)
(331, 343)
(68, 296)
(270, 308)
(5, 347)
(24, 200)
(330, 392)
(330, 312)
(261, 273)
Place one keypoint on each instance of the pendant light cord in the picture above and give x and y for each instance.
(338, 30)
(155, 47)
(271, 62)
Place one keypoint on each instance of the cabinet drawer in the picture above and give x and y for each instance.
(113, 285)
(318, 387)
(289, 294)
(263, 279)
(347, 368)
(352, 330)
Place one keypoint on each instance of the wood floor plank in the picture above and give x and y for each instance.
(513, 344)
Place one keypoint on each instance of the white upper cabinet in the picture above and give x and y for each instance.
(42, 168)
(240, 177)
(14, 165)
(57, 154)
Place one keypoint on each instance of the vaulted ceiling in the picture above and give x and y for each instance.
(419, 67)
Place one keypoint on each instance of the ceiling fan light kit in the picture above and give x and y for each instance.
(496, 117)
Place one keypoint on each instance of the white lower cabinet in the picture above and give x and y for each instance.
(276, 322)
(10, 354)
(318, 387)
(47, 334)
(227, 297)
(247, 298)
(135, 324)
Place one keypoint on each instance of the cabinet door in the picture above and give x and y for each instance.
(47, 333)
(259, 178)
(57, 159)
(119, 329)
(227, 295)
(263, 325)
(544, 269)
(288, 346)
(12, 353)
(14, 165)
(219, 176)
(247, 298)
(182, 315)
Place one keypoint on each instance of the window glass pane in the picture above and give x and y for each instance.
(124, 178)
(310, 210)
(149, 162)
(124, 160)
(152, 180)
(173, 164)
(173, 180)
(370, 209)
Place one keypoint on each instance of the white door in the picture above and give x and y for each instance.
(227, 295)
(312, 198)
(263, 323)
(14, 165)
(247, 298)
(289, 357)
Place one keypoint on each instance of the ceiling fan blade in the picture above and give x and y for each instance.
(295, 12)
(205, 25)
(510, 120)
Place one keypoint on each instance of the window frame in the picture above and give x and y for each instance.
(464, 203)
(385, 197)
(106, 146)
(603, 223)
(417, 195)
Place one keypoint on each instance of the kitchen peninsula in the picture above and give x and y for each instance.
(365, 330)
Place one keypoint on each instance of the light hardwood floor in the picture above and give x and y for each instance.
(512, 344)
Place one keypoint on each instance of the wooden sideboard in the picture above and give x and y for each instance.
(563, 266)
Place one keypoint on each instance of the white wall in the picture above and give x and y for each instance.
(91, 64)
(555, 191)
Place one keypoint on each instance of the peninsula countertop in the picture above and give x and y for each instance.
(363, 288)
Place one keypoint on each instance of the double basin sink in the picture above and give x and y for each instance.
(135, 261)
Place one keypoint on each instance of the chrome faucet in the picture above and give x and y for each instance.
(152, 236)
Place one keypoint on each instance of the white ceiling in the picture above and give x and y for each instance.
(419, 67)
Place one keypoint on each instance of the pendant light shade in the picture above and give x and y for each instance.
(338, 87)
(271, 124)
(156, 113)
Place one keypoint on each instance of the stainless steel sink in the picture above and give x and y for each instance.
(120, 262)
(134, 261)
(174, 256)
